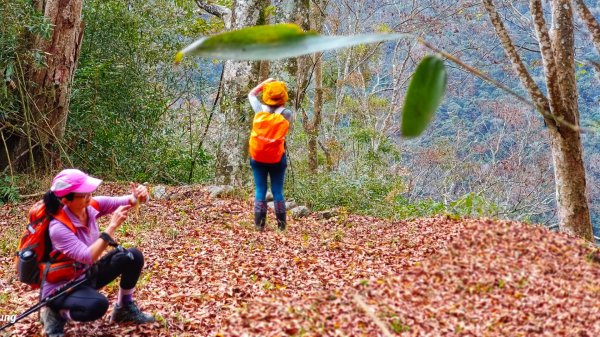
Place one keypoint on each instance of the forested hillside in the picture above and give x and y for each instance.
(133, 115)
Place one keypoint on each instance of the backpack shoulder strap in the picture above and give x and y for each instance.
(94, 203)
(279, 110)
(64, 219)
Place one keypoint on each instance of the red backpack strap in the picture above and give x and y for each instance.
(64, 218)
(94, 203)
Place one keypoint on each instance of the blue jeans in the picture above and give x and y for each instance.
(277, 173)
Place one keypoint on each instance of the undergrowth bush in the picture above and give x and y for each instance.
(133, 115)
(379, 196)
(9, 193)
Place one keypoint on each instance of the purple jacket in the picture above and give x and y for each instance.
(76, 245)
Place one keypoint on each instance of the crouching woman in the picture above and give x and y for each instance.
(70, 200)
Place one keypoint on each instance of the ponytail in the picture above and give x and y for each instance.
(52, 203)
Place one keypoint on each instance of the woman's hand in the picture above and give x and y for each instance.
(118, 217)
(270, 79)
(139, 192)
(260, 86)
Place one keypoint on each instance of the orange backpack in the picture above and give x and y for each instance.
(268, 136)
(36, 261)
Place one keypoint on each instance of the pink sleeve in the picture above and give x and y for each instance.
(64, 240)
(110, 204)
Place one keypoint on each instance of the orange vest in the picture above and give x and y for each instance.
(36, 239)
(268, 136)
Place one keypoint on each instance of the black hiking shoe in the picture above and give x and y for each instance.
(281, 220)
(129, 313)
(260, 219)
(54, 324)
(280, 214)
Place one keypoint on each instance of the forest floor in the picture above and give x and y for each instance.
(209, 273)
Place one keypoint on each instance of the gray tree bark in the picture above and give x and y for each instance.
(294, 71)
(560, 109)
(593, 27)
(312, 125)
(238, 76)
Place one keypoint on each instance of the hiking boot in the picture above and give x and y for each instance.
(280, 214)
(260, 219)
(281, 221)
(129, 313)
(54, 324)
(260, 214)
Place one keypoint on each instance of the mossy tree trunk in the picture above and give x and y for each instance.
(34, 142)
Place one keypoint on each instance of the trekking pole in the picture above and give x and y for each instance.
(70, 286)
(67, 288)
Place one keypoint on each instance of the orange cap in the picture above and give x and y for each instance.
(275, 93)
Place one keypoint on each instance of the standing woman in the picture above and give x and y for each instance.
(267, 148)
(70, 199)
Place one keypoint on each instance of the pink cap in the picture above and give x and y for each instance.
(73, 180)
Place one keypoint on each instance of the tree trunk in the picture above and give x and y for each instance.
(301, 67)
(569, 175)
(236, 116)
(313, 127)
(291, 70)
(567, 150)
(45, 114)
(560, 109)
(289, 12)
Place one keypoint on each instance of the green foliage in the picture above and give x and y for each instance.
(19, 19)
(424, 95)
(21, 24)
(124, 123)
(273, 42)
(201, 26)
(362, 194)
(333, 190)
(9, 192)
(398, 326)
(378, 103)
(269, 11)
(472, 204)
(376, 194)
(383, 28)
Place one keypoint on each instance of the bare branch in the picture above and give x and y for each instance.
(520, 15)
(541, 102)
(476, 72)
(33, 195)
(559, 120)
(590, 21)
(596, 66)
(217, 10)
(541, 30)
